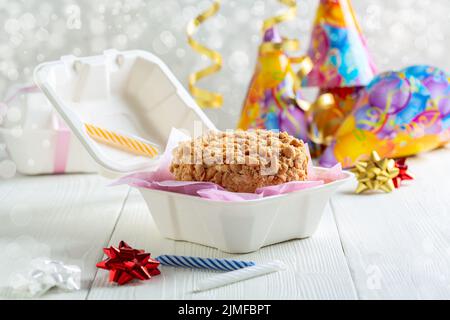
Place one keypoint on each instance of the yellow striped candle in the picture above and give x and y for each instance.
(121, 141)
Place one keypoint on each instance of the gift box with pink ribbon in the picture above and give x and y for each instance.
(37, 140)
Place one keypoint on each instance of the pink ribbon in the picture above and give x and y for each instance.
(62, 144)
(13, 96)
(22, 90)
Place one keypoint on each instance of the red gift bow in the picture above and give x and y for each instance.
(126, 263)
(403, 175)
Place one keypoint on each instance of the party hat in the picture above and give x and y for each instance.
(338, 49)
(399, 114)
(273, 95)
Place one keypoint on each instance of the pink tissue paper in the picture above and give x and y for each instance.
(162, 179)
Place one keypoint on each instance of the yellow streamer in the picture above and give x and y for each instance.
(285, 44)
(305, 63)
(205, 98)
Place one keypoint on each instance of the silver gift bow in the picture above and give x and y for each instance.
(44, 275)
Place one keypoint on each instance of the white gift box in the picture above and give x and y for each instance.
(135, 92)
(36, 138)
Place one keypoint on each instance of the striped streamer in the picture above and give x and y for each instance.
(203, 263)
(204, 98)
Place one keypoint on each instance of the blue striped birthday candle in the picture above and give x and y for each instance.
(203, 263)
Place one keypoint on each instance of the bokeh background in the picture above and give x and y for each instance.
(399, 33)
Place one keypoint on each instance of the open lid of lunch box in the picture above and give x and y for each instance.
(131, 93)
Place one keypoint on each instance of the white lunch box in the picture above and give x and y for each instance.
(135, 92)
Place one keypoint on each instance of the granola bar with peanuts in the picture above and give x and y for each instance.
(241, 161)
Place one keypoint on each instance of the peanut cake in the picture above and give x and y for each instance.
(241, 161)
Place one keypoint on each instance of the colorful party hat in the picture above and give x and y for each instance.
(398, 114)
(273, 95)
(338, 49)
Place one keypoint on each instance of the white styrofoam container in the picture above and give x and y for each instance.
(135, 92)
(131, 92)
(240, 226)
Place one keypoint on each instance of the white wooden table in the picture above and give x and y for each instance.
(367, 246)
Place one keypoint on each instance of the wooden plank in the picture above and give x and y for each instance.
(65, 217)
(317, 266)
(398, 244)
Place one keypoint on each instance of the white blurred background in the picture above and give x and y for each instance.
(399, 33)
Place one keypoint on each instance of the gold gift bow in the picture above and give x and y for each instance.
(205, 98)
(323, 102)
(375, 174)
